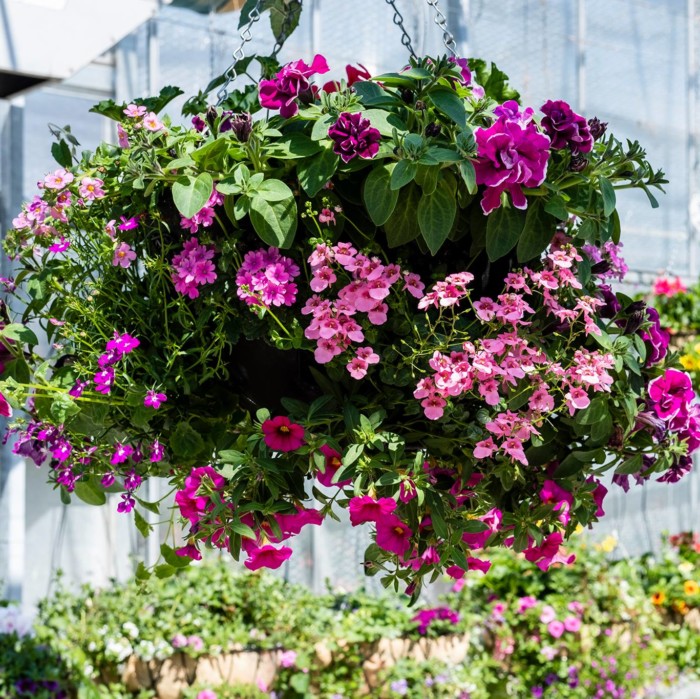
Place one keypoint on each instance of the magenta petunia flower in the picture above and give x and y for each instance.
(154, 400)
(565, 127)
(671, 393)
(282, 435)
(463, 66)
(334, 461)
(555, 628)
(267, 557)
(191, 551)
(353, 135)
(290, 84)
(561, 500)
(366, 509)
(393, 535)
(193, 505)
(510, 155)
(354, 75)
(477, 540)
(5, 407)
(291, 525)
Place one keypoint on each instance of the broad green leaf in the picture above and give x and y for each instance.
(178, 163)
(295, 145)
(274, 190)
(557, 207)
(212, 154)
(608, 192)
(19, 333)
(537, 232)
(320, 129)
(372, 95)
(402, 226)
(380, 199)
(185, 442)
(436, 214)
(417, 73)
(316, 171)
(90, 493)
(274, 222)
(447, 101)
(142, 524)
(427, 177)
(164, 571)
(503, 229)
(63, 407)
(615, 229)
(632, 465)
(191, 194)
(231, 456)
(61, 153)
(466, 170)
(384, 122)
(172, 559)
(403, 173)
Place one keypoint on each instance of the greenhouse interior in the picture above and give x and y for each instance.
(349, 349)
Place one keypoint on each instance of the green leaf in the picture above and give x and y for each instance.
(493, 80)
(61, 153)
(466, 170)
(164, 571)
(142, 524)
(384, 122)
(185, 442)
(178, 163)
(172, 559)
(537, 232)
(503, 229)
(274, 222)
(402, 227)
(557, 207)
(632, 465)
(316, 171)
(90, 493)
(608, 192)
(110, 109)
(380, 199)
(436, 214)
(63, 407)
(231, 456)
(191, 194)
(615, 229)
(242, 529)
(295, 145)
(274, 190)
(450, 104)
(19, 333)
(159, 102)
(427, 177)
(403, 173)
(142, 573)
(372, 95)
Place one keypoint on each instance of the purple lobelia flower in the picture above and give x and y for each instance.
(511, 154)
(354, 135)
(566, 128)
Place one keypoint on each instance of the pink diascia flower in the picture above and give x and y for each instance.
(122, 137)
(90, 188)
(193, 504)
(511, 154)
(267, 557)
(151, 122)
(282, 435)
(667, 286)
(289, 84)
(154, 400)
(193, 267)
(123, 255)
(266, 278)
(135, 111)
(58, 179)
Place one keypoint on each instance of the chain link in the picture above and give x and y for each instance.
(291, 6)
(239, 54)
(447, 39)
(398, 21)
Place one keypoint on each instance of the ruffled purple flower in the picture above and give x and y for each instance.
(511, 155)
(566, 128)
(354, 135)
(677, 471)
(289, 84)
(463, 66)
(655, 336)
(671, 394)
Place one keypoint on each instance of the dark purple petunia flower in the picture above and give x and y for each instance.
(566, 128)
(656, 336)
(354, 135)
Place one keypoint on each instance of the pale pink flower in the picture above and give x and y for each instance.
(123, 255)
(134, 111)
(151, 122)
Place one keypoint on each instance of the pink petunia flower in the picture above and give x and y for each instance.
(366, 509)
(267, 557)
(333, 462)
(282, 435)
(393, 535)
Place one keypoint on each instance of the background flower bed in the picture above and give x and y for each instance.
(593, 629)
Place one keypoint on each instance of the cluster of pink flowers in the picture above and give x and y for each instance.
(142, 119)
(607, 261)
(266, 279)
(668, 286)
(205, 216)
(392, 534)
(426, 617)
(556, 627)
(117, 348)
(333, 324)
(193, 267)
(491, 367)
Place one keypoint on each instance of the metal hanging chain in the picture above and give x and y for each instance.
(239, 54)
(398, 21)
(291, 6)
(447, 39)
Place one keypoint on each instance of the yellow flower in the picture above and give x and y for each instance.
(681, 607)
(578, 529)
(690, 587)
(658, 598)
(688, 362)
(696, 348)
(608, 544)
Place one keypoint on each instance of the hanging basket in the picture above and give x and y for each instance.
(383, 294)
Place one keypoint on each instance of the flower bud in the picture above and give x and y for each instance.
(432, 129)
(597, 127)
(578, 163)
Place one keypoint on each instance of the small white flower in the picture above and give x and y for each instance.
(130, 628)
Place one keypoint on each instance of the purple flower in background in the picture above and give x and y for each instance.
(127, 504)
(400, 686)
(198, 123)
(510, 110)
(121, 453)
(566, 128)
(677, 471)
(671, 393)
(107, 480)
(463, 66)
(241, 125)
(511, 155)
(656, 336)
(612, 305)
(354, 135)
(132, 481)
(290, 83)
(157, 452)
(104, 380)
